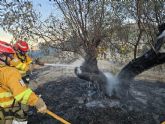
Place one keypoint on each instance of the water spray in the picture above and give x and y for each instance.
(60, 65)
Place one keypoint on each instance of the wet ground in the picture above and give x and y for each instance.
(77, 101)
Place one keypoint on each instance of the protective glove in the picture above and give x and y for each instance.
(41, 106)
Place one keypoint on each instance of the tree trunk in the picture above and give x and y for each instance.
(90, 64)
(137, 66)
(89, 71)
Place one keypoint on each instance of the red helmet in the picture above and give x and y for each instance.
(6, 48)
(21, 45)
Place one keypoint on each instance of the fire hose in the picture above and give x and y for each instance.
(48, 111)
(57, 117)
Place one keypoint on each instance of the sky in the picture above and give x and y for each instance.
(45, 7)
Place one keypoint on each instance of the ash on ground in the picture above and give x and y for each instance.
(78, 102)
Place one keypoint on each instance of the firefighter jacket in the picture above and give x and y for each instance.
(22, 63)
(13, 88)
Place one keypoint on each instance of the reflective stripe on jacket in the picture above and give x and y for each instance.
(23, 67)
(12, 87)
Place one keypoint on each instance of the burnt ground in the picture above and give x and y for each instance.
(77, 101)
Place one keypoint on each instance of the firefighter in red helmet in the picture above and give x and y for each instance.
(22, 46)
(13, 91)
(21, 59)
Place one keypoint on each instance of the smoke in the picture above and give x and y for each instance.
(112, 83)
(78, 62)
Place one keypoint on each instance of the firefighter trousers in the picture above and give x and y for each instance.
(18, 112)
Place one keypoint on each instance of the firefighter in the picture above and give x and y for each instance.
(13, 91)
(21, 60)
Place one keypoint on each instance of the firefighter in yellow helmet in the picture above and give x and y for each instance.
(13, 91)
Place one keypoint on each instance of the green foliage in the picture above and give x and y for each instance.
(18, 17)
